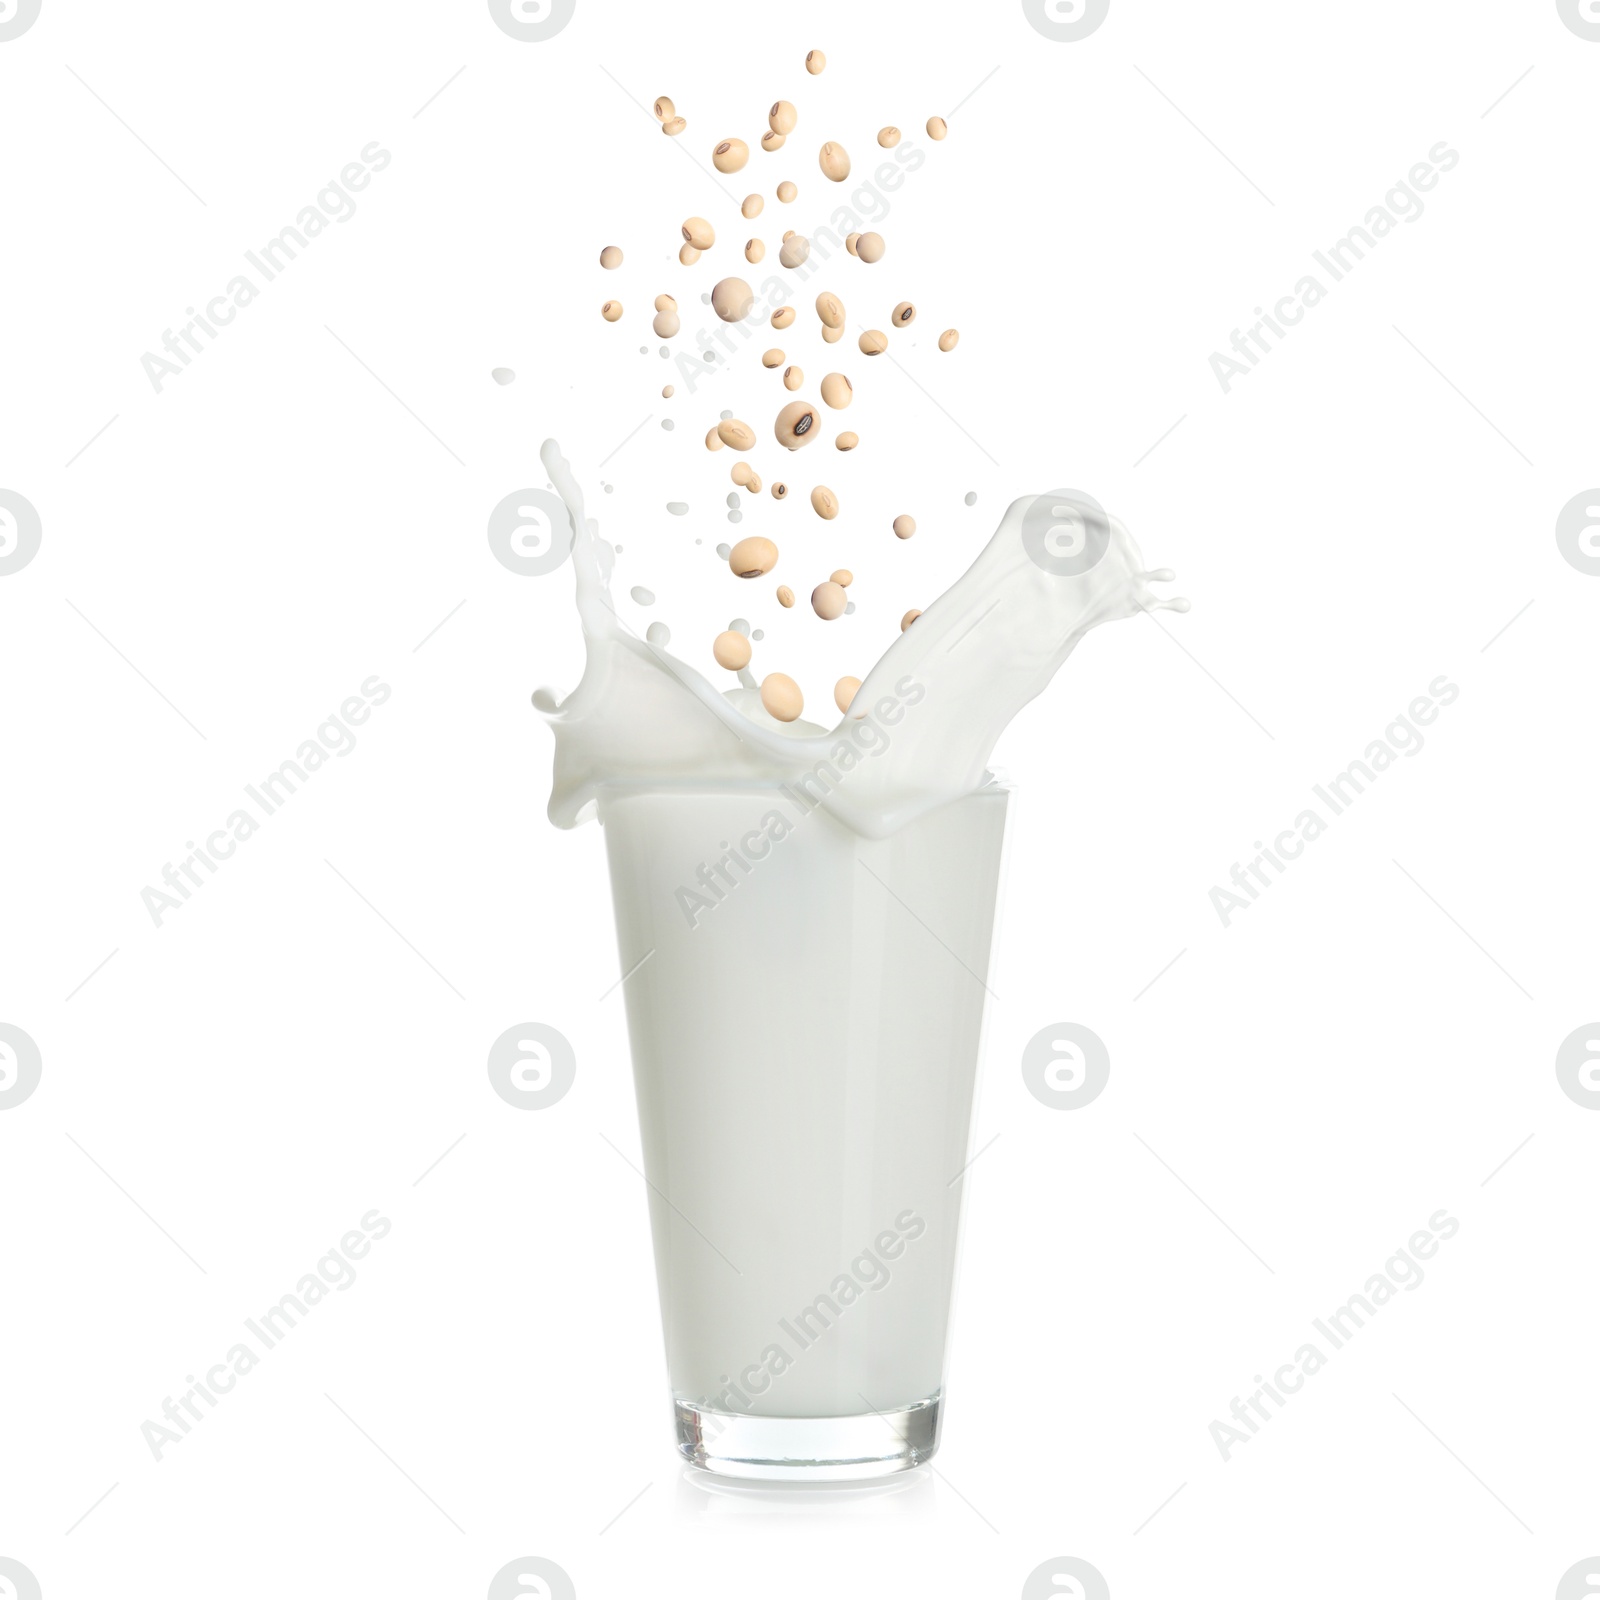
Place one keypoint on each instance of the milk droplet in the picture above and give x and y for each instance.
(668, 424)
(849, 608)
(705, 299)
(644, 349)
(641, 596)
(758, 635)
(972, 498)
(733, 500)
(609, 488)
(736, 516)
(503, 375)
(739, 625)
(727, 416)
(665, 352)
(658, 633)
(724, 551)
(677, 507)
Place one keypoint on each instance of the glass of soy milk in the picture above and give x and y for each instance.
(805, 1029)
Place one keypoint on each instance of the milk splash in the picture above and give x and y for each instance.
(1056, 567)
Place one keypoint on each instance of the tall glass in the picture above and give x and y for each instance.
(805, 1009)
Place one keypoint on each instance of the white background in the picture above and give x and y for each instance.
(1289, 1100)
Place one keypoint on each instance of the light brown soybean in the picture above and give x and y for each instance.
(739, 435)
(673, 126)
(797, 424)
(754, 250)
(782, 117)
(904, 314)
(666, 324)
(740, 473)
(831, 309)
(688, 255)
(771, 141)
(793, 377)
(780, 491)
(611, 310)
(698, 232)
(713, 440)
(752, 207)
(828, 600)
(904, 527)
(870, 247)
(825, 502)
(834, 160)
(788, 234)
(889, 137)
(847, 441)
(937, 127)
(781, 696)
(908, 619)
(873, 343)
(772, 358)
(731, 299)
(815, 62)
(730, 155)
(844, 691)
(832, 335)
(851, 240)
(611, 258)
(787, 191)
(665, 302)
(664, 109)
(732, 650)
(837, 391)
(844, 577)
(795, 251)
(949, 339)
(753, 558)
(754, 485)
(667, 392)
(783, 317)
(785, 593)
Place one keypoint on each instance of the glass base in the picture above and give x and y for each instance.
(808, 1449)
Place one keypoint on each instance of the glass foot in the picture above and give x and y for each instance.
(808, 1449)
